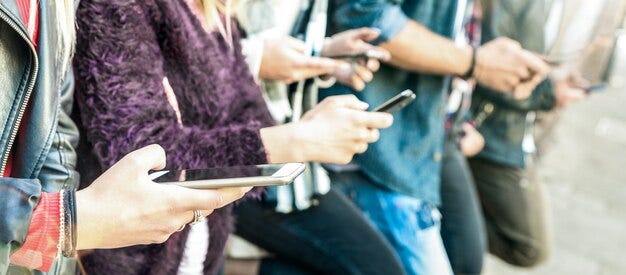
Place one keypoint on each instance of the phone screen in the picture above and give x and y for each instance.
(216, 173)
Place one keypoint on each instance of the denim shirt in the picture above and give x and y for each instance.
(407, 158)
(501, 119)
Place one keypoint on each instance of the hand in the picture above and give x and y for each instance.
(352, 42)
(333, 132)
(123, 207)
(569, 88)
(284, 60)
(472, 142)
(503, 65)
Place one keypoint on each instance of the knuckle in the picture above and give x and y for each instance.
(345, 159)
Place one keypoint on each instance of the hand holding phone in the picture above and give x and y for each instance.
(236, 176)
(397, 102)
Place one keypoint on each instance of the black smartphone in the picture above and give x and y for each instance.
(596, 88)
(397, 102)
(235, 176)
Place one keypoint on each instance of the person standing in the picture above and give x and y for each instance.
(43, 219)
(398, 179)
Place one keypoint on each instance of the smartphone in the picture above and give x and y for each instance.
(596, 88)
(234, 176)
(397, 102)
(365, 55)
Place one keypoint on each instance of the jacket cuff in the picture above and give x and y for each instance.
(41, 245)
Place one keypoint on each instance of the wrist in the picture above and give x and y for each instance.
(471, 65)
(281, 143)
(326, 46)
(84, 234)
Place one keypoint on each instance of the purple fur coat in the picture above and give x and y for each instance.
(124, 50)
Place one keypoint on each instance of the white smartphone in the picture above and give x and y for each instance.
(235, 176)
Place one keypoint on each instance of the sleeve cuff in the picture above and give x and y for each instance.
(252, 48)
(390, 23)
(41, 246)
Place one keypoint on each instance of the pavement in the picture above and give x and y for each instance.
(585, 174)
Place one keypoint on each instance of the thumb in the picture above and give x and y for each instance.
(366, 34)
(151, 157)
(350, 101)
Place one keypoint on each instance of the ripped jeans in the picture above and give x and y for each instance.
(411, 225)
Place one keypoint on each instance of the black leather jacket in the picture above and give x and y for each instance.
(44, 158)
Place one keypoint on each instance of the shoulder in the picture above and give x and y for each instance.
(112, 12)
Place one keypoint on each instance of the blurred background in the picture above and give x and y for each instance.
(583, 156)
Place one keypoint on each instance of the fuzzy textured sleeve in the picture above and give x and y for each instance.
(121, 62)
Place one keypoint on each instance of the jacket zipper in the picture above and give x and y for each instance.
(29, 88)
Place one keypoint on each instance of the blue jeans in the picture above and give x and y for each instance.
(411, 226)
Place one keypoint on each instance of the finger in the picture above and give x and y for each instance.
(363, 73)
(578, 94)
(294, 43)
(151, 157)
(511, 82)
(301, 74)
(373, 135)
(193, 199)
(367, 34)
(534, 63)
(357, 83)
(523, 73)
(360, 147)
(374, 120)
(372, 64)
(318, 63)
(348, 101)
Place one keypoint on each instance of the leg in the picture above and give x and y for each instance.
(330, 238)
(411, 226)
(515, 212)
(462, 224)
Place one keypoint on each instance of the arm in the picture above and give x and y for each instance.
(500, 64)
(59, 168)
(123, 102)
(38, 248)
(413, 47)
(18, 199)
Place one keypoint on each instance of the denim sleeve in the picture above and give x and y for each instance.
(385, 15)
(18, 198)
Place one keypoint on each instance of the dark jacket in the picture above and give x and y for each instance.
(124, 50)
(407, 158)
(500, 118)
(44, 158)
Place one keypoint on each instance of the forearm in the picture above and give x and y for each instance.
(281, 145)
(418, 49)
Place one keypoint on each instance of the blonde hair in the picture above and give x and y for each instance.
(66, 31)
(212, 9)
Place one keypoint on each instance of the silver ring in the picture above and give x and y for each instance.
(197, 217)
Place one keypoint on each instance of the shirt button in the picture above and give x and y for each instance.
(437, 156)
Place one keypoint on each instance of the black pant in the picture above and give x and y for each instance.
(462, 227)
(331, 238)
(515, 210)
